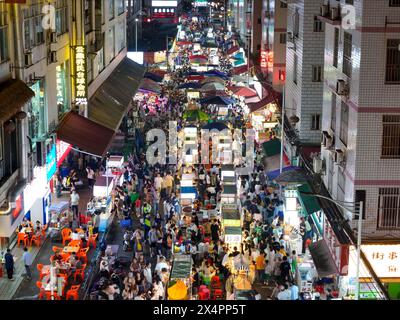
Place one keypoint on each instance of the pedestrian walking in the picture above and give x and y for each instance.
(28, 260)
(90, 177)
(9, 264)
(75, 203)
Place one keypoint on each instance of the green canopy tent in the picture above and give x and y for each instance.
(272, 147)
(196, 115)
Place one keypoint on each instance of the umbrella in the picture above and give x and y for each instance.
(217, 100)
(243, 91)
(213, 86)
(198, 61)
(239, 62)
(212, 79)
(215, 125)
(189, 85)
(150, 85)
(196, 115)
(153, 76)
(178, 291)
(221, 76)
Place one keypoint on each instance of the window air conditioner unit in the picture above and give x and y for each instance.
(324, 10)
(53, 37)
(327, 140)
(338, 157)
(52, 57)
(28, 59)
(334, 13)
(290, 37)
(318, 164)
(342, 88)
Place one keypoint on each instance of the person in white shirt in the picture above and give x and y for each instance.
(147, 273)
(74, 203)
(294, 291)
(285, 293)
(75, 235)
(161, 265)
(158, 182)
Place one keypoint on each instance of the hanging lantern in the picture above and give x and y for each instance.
(21, 115)
(294, 119)
(9, 126)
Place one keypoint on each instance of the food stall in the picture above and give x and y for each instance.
(190, 146)
(101, 200)
(227, 170)
(180, 284)
(231, 223)
(229, 194)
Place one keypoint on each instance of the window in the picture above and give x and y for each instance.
(33, 29)
(62, 76)
(344, 122)
(389, 208)
(111, 9)
(336, 48)
(62, 17)
(361, 196)
(111, 42)
(316, 122)
(394, 3)
(282, 37)
(341, 189)
(295, 62)
(88, 16)
(316, 73)
(296, 23)
(283, 4)
(120, 35)
(349, 2)
(100, 59)
(347, 48)
(393, 61)
(391, 137)
(333, 112)
(36, 113)
(317, 25)
(120, 7)
(4, 55)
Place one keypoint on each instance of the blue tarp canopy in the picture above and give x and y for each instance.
(188, 190)
(275, 173)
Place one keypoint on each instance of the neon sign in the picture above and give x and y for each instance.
(80, 75)
(264, 59)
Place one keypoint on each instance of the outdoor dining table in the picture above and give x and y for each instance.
(48, 286)
(70, 249)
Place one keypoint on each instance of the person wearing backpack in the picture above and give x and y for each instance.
(285, 268)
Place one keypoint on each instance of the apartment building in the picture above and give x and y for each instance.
(273, 42)
(39, 71)
(304, 71)
(361, 107)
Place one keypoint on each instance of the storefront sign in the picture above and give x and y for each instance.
(340, 253)
(385, 259)
(18, 208)
(63, 150)
(51, 162)
(264, 59)
(36, 189)
(80, 75)
(233, 238)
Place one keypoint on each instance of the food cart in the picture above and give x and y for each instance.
(180, 274)
(101, 200)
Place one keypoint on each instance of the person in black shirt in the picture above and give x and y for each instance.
(285, 269)
(215, 231)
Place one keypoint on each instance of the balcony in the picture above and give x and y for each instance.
(331, 16)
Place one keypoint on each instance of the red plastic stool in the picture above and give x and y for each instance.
(202, 288)
(218, 294)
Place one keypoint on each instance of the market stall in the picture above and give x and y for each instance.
(179, 284)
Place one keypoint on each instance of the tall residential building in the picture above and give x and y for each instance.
(361, 111)
(304, 71)
(273, 42)
(53, 58)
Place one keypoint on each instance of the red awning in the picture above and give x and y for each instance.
(198, 56)
(233, 49)
(263, 102)
(85, 134)
(240, 70)
(243, 91)
(195, 77)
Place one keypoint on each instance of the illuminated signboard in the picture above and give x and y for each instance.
(201, 3)
(164, 3)
(264, 59)
(80, 75)
(51, 162)
(18, 208)
(63, 149)
(385, 259)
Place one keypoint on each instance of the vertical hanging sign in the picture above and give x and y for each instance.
(81, 97)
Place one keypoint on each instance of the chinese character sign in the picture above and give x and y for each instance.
(385, 259)
(264, 59)
(80, 75)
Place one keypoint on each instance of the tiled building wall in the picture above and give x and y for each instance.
(365, 170)
(305, 98)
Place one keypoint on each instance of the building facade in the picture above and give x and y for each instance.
(304, 69)
(361, 107)
(273, 42)
(38, 65)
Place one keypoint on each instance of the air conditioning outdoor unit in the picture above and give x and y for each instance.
(339, 157)
(53, 37)
(290, 37)
(52, 57)
(327, 140)
(334, 13)
(324, 10)
(342, 88)
(28, 59)
(318, 165)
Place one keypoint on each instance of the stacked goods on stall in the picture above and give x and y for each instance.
(232, 225)
(179, 285)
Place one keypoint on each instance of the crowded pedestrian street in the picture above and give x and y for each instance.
(191, 194)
